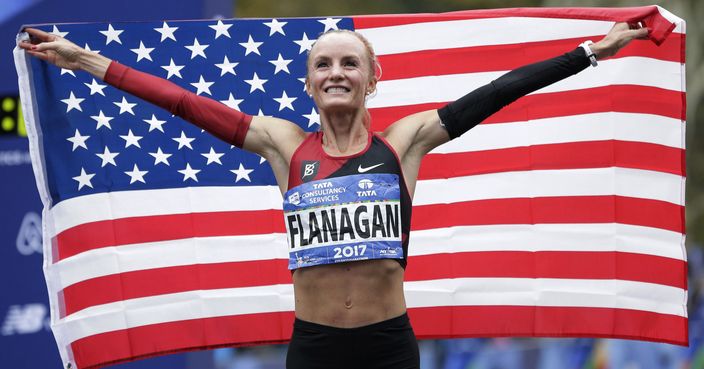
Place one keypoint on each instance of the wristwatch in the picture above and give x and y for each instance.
(588, 50)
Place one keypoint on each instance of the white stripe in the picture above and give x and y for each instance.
(599, 237)
(115, 205)
(478, 32)
(511, 237)
(633, 127)
(622, 71)
(602, 293)
(443, 292)
(151, 255)
(549, 183)
(536, 183)
(489, 31)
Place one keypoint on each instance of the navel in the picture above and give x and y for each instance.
(348, 302)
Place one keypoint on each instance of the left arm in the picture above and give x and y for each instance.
(416, 135)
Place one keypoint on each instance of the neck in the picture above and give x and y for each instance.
(344, 133)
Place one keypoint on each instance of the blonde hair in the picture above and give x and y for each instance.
(374, 66)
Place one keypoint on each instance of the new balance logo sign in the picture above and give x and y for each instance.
(24, 319)
(364, 170)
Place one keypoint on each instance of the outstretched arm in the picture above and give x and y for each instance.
(416, 135)
(264, 135)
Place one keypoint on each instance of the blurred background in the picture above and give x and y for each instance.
(25, 338)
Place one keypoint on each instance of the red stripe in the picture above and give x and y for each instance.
(541, 321)
(494, 264)
(507, 57)
(183, 278)
(632, 14)
(126, 231)
(615, 98)
(552, 210)
(431, 322)
(575, 209)
(188, 335)
(573, 155)
(550, 264)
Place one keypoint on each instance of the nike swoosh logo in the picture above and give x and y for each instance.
(364, 170)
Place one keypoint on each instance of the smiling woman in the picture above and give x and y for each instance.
(347, 190)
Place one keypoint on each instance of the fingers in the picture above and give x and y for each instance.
(39, 34)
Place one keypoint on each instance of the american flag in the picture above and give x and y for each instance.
(561, 215)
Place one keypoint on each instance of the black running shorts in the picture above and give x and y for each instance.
(390, 344)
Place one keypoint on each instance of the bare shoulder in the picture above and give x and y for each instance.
(269, 136)
(416, 134)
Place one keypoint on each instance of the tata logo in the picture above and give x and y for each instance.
(366, 186)
(24, 319)
(294, 198)
(29, 237)
(309, 169)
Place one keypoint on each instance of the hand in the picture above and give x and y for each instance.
(52, 48)
(620, 35)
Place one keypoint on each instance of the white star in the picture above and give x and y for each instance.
(202, 86)
(95, 87)
(155, 123)
(102, 120)
(227, 67)
(313, 117)
(305, 43)
(241, 173)
(261, 113)
(261, 159)
(197, 49)
(275, 27)
(221, 29)
(184, 141)
(108, 157)
(232, 102)
(112, 35)
(84, 179)
(256, 83)
(213, 157)
(330, 23)
(136, 175)
(189, 172)
(173, 69)
(303, 80)
(251, 46)
(67, 71)
(78, 141)
(72, 102)
(55, 31)
(160, 156)
(143, 52)
(88, 49)
(166, 32)
(131, 139)
(281, 64)
(125, 106)
(285, 101)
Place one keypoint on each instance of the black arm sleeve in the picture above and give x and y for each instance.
(461, 115)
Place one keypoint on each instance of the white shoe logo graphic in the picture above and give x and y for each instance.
(364, 170)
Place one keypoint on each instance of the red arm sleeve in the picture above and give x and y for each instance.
(225, 123)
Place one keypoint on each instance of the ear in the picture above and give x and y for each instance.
(371, 86)
(307, 82)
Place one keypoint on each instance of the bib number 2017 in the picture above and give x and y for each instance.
(349, 251)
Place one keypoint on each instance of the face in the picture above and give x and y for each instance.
(338, 73)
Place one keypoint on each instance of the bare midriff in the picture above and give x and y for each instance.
(349, 295)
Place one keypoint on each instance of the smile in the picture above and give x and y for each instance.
(336, 89)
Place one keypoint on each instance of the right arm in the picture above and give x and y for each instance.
(275, 139)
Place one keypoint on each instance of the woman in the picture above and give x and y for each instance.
(347, 191)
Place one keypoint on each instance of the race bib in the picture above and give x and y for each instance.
(336, 220)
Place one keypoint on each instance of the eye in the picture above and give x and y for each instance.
(321, 64)
(351, 63)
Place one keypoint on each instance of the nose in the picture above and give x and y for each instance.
(337, 72)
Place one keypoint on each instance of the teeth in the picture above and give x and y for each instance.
(337, 89)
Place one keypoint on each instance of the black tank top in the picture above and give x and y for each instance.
(346, 203)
